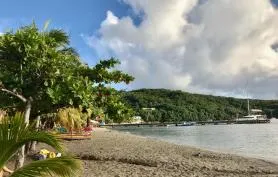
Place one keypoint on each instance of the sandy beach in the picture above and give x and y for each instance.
(117, 154)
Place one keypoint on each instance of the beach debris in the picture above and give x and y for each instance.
(44, 154)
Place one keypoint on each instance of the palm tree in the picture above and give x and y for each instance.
(14, 133)
(70, 118)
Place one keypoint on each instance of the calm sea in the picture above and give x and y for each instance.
(251, 140)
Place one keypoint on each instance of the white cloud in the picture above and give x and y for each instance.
(211, 47)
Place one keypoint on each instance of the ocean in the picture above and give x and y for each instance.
(250, 140)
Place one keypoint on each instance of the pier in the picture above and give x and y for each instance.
(216, 122)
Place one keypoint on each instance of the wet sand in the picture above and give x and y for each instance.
(117, 154)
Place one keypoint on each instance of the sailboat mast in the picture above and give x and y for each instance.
(248, 108)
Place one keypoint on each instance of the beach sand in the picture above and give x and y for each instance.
(117, 154)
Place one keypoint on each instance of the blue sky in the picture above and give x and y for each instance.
(222, 45)
(275, 2)
(76, 17)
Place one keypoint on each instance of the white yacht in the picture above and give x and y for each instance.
(254, 116)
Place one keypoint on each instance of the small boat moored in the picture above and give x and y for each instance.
(187, 124)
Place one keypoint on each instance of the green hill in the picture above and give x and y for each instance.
(183, 106)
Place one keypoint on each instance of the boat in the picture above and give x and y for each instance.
(74, 136)
(187, 124)
(254, 116)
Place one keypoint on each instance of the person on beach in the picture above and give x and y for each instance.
(5, 169)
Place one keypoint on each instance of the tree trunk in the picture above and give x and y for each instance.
(20, 158)
(28, 111)
(88, 121)
(34, 143)
(21, 153)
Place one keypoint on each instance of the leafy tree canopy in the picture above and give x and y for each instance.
(41, 67)
(171, 106)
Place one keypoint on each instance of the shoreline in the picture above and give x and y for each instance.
(115, 153)
(273, 160)
(200, 148)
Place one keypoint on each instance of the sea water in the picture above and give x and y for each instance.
(251, 140)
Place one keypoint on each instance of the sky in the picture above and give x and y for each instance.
(219, 47)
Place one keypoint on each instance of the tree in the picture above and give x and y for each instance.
(41, 71)
(39, 68)
(107, 98)
(14, 133)
(29, 59)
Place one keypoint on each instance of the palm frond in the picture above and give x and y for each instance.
(59, 36)
(14, 133)
(46, 24)
(71, 51)
(64, 166)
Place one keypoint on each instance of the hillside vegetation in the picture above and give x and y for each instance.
(183, 106)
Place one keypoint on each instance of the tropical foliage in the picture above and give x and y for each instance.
(40, 72)
(71, 118)
(14, 133)
(32, 62)
(171, 106)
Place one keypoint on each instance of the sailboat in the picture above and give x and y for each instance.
(254, 116)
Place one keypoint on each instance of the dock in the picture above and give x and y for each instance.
(216, 122)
